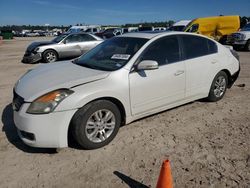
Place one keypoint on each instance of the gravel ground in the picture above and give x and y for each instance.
(208, 144)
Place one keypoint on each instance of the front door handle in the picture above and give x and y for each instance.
(179, 72)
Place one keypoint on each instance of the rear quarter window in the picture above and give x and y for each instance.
(195, 46)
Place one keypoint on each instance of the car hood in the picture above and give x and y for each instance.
(34, 45)
(49, 77)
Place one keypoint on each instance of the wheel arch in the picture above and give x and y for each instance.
(118, 103)
(114, 100)
(229, 78)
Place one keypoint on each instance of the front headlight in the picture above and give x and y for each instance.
(48, 102)
(36, 49)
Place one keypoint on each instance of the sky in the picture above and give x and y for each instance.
(71, 12)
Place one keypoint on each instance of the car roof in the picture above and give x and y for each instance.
(151, 34)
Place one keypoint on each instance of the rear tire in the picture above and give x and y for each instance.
(50, 56)
(218, 87)
(96, 124)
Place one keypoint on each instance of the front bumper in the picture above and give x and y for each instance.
(43, 130)
(32, 58)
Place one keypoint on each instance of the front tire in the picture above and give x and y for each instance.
(218, 87)
(50, 56)
(96, 124)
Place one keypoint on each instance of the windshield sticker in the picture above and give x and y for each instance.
(121, 56)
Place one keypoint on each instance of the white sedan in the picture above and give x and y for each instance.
(122, 79)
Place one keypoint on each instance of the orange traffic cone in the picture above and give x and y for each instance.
(165, 178)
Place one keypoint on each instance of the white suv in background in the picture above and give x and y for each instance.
(240, 39)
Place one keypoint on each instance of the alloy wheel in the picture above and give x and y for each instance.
(100, 125)
(51, 57)
(220, 86)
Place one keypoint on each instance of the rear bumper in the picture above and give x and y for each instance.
(234, 78)
(32, 58)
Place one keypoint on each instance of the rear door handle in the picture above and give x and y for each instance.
(179, 72)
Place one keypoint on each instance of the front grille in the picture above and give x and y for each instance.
(17, 101)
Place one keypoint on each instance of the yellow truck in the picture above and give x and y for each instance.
(217, 27)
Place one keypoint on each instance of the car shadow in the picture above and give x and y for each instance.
(129, 181)
(10, 131)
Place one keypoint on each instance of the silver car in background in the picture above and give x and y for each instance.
(63, 46)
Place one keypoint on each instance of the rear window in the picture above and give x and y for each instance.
(195, 46)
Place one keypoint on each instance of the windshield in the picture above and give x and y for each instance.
(246, 28)
(112, 54)
(59, 38)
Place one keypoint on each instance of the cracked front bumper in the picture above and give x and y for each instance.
(32, 58)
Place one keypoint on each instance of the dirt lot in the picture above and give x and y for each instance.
(208, 144)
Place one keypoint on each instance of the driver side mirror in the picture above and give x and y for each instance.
(147, 65)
